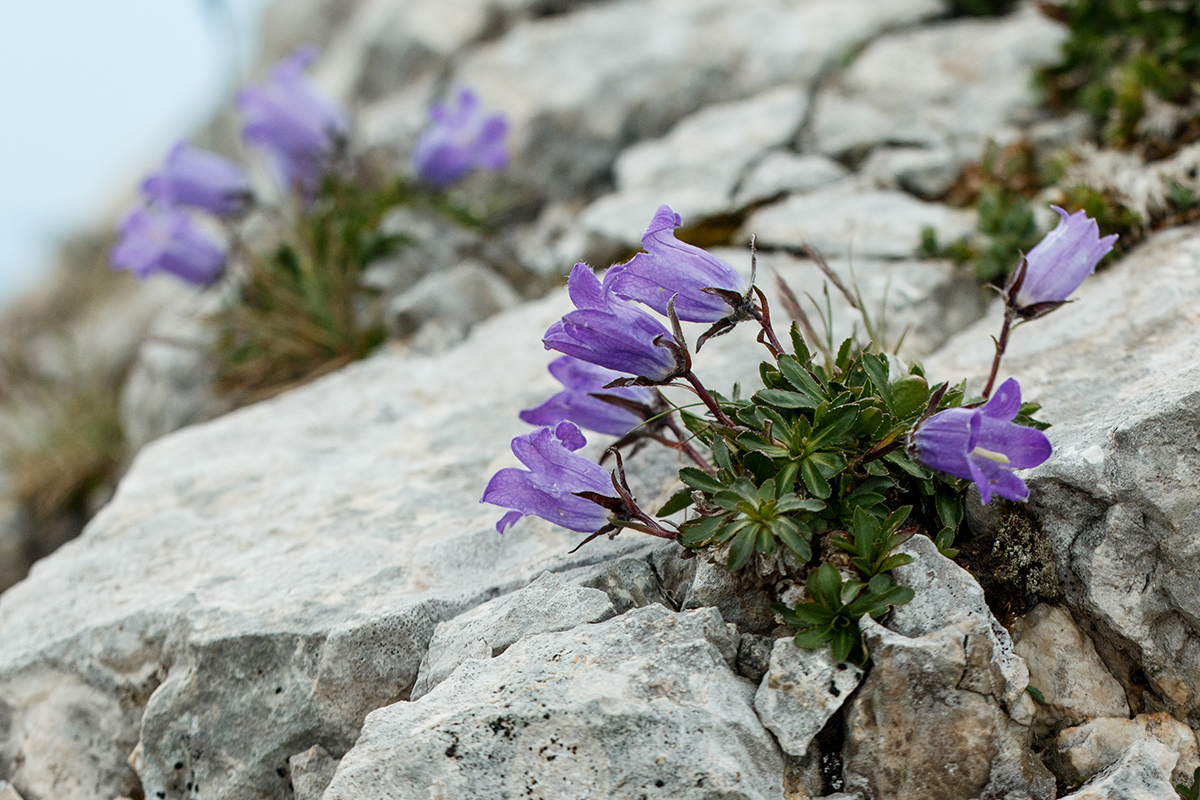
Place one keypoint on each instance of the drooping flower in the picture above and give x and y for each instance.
(197, 178)
(610, 332)
(287, 118)
(547, 488)
(167, 240)
(460, 139)
(671, 268)
(1062, 259)
(578, 402)
(983, 444)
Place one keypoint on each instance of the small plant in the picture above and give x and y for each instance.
(1118, 58)
(817, 474)
(294, 307)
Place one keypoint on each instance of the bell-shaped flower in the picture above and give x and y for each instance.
(460, 139)
(671, 268)
(983, 444)
(287, 118)
(610, 332)
(167, 240)
(547, 488)
(1061, 260)
(199, 179)
(582, 399)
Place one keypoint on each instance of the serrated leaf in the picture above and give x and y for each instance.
(909, 396)
(721, 454)
(759, 444)
(877, 370)
(824, 586)
(842, 642)
(766, 540)
(813, 638)
(799, 345)
(742, 549)
(814, 481)
(800, 378)
(896, 519)
(699, 479)
(678, 502)
(792, 539)
(782, 398)
(905, 463)
(791, 503)
(695, 533)
(835, 424)
(949, 507)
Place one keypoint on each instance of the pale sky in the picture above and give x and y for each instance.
(91, 92)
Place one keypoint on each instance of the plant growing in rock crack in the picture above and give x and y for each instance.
(818, 475)
(293, 302)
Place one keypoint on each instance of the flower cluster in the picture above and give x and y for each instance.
(305, 136)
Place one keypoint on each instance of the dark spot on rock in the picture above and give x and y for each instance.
(281, 772)
(660, 783)
(178, 765)
(278, 689)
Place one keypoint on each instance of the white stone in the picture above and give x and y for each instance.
(781, 172)
(311, 772)
(1141, 774)
(644, 704)
(839, 220)
(1100, 743)
(800, 692)
(547, 604)
(1064, 667)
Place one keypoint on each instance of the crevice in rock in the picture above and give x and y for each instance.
(829, 742)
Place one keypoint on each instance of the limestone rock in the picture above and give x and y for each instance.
(7, 792)
(736, 596)
(697, 166)
(1064, 667)
(456, 299)
(547, 604)
(781, 172)
(840, 220)
(951, 86)
(1116, 376)
(800, 692)
(630, 581)
(1141, 774)
(922, 724)
(578, 86)
(641, 705)
(942, 591)
(311, 772)
(1082, 752)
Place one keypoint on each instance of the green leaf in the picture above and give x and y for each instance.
(721, 455)
(782, 398)
(697, 532)
(799, 345)
(844, 356)
(843, 642)
(813, 639)
(833, 427)
(790, 503)
(785, 478)
(678, 502)
(825, 586)
(905, 463)
(876, 368)
(1036, 694)
(788, 532)
(699, 479)
(949, 507)
(896, 519)
(742, 549)
(757, 443)
(814, 481)
(910, 394)
(800, 378)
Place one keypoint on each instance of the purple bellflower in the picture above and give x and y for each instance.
(199, 179)
(610, 332)
(1059, 262)
(579, 403)
(983, 444)
(671, 268)
(460, 139)
(547, 489)
(166, 240)
(298, 127)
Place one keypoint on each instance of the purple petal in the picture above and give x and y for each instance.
(517, 489)
(569, 434)
(942, 442)
(584, 287)
(507, 520)
(1005, 402)
(991, 477)
(671, 268)
(1024, 447)
(1059, 263)
(460, 139)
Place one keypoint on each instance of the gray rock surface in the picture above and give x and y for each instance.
(800, 692)
(578, 86)
(311, 772)
(926, 723)
(944, 591)
(781, 172)
(1064, 667)
(7, 792)
(548, 604)
(455, 299)
(950, 86)
(842, 221)
(1116, 376)
(644, 705)
(697, 167)
(1082, 752)
(1141, 774)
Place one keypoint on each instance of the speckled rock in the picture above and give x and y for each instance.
(1141, 774)
(601, 711)
(800, 692)
(1082, 752)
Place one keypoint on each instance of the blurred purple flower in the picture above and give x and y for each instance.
(1059, 262)
(983, 444)
(547, 488)
(670, 267)
(460, 139)
(298, 127)
(610, 332)
(199, 179)
(578, 402)
(166, 240)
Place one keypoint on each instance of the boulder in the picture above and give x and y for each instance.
(1116, 376)
(801, 690)
(644, 705)
(1141, 774)
(926, 722)
(1080, 753)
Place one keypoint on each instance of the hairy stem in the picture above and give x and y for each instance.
(708, 400)
(1001, 345)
